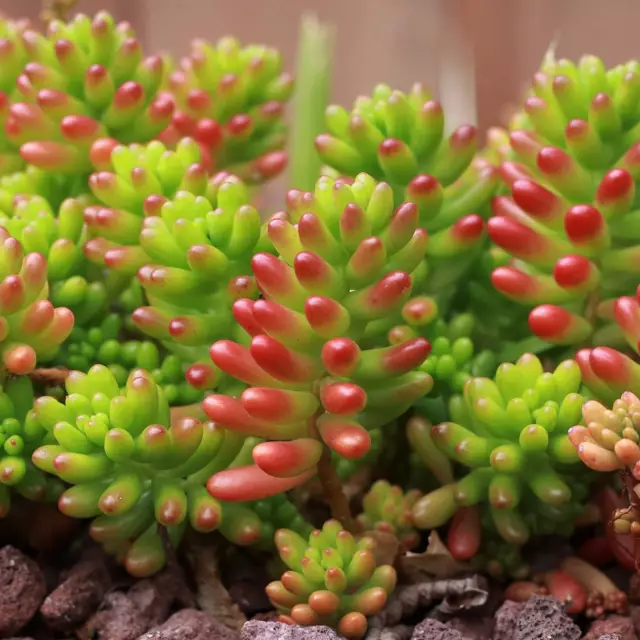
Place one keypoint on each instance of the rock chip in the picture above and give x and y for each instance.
(22, 590)
(260, 630)
(154, 597)
(126, 616)
(544, 618)
(117, 619)
(430, 629)
(621, 626)
(79, 594)
(473, 627)
(506, 620)
(190, 624)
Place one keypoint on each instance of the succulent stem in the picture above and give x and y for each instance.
(332, 486)
(630, 484)
(50, 376)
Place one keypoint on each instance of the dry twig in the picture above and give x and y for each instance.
(212, 595)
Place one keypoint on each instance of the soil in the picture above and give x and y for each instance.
(53, 590)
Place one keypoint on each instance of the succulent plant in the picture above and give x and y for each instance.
(104, 344)
(569, 222)
(496, 150)
(58, 234)
(12, 60)
(188, 237)
(31, 181)
(387, 508)
(500, 324)
(130, 469)
(200, 252)
(20, 435)
(511, 432)
(332, 579)
(452, 360)
(609, 441)
(399, 138)
(215, 360)
(346, 468)
(277, 512)
(85, 80)
(606, 371)
(501, 560)
(30, 326)
(133, 182)
(341, 273)
(231, 99)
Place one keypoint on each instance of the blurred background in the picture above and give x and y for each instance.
(476, 55)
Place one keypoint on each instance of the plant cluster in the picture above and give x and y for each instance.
(456, 324)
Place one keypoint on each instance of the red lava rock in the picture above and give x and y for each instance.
(22, 589)
(79, 594)
(431, 629)
(153, 598)
(190, 624)
(117, 619)
(259, 630)
(544, 618)
(146, 604)
(506, 619)
(620, 626)
(473, 628)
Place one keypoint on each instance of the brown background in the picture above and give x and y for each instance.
(497, 42)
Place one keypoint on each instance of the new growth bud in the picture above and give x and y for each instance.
(512, 432)
(331, 580)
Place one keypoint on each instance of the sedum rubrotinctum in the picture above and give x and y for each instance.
(12, 60)
(231, 100)
(109, 344)
(387, 508)
(570, 221)
(452, 360)
(30, 326)
(130, 183)
(59, 234)
(84, 80)
(132, 469)
(20, 435)
(344, 266)
(606, 371)
(399, 138)
(189, 238)
(332, 580)
(511, 432)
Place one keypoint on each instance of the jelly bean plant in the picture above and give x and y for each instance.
(424, 332)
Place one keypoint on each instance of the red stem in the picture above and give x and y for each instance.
(332, 487)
